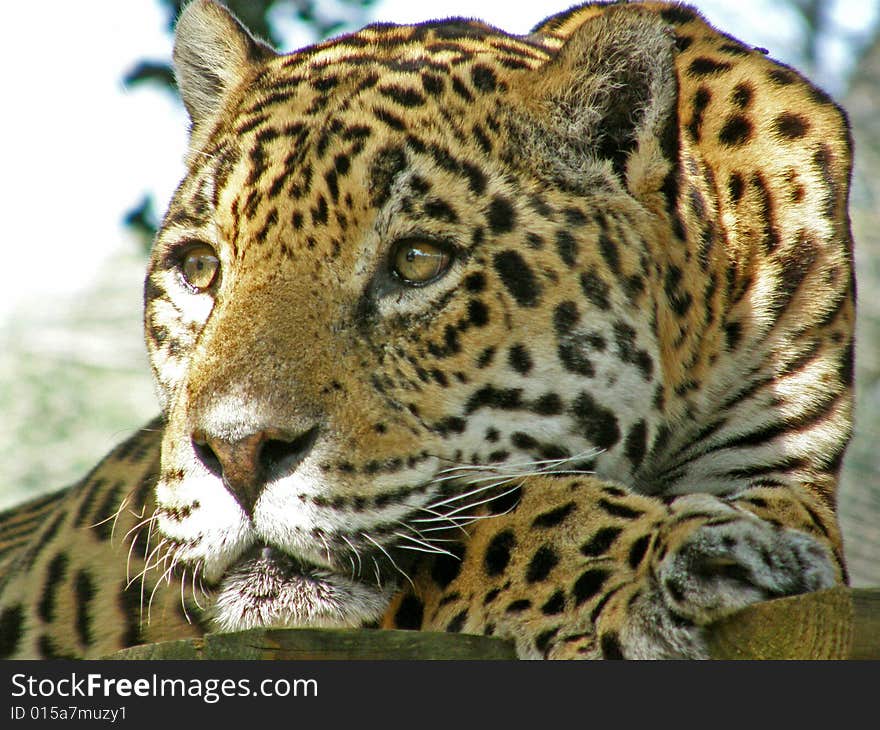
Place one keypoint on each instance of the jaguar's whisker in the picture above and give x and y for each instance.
(153, 593)
(142, 523)
(426, 544)
(464, 495)
(356, 552)
(388, 555)
(194, 578)
(586, 454)
(150, 524)
(114, 517)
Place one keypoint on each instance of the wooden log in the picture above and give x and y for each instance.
(309, 644)
(839, 623)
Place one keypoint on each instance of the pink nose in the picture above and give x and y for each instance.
(245, 465)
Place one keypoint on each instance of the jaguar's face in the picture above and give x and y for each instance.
(359, 298)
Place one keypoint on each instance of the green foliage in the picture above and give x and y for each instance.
(143, 221)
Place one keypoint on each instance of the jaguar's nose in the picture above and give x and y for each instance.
(247, 463)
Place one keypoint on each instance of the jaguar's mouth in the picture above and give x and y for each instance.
(269, 571)
(266, 587)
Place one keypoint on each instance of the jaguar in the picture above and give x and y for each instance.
(547, 337)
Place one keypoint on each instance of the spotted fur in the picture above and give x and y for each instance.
(616, 411)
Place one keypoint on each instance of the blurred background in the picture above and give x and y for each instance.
(93, 141)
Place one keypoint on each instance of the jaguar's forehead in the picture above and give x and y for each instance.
(447, 42)
(404, 66)
(315, 138)
(386, 74)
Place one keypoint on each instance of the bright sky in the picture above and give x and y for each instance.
(78, 150)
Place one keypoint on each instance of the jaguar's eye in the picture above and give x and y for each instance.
(417, 262)
(200, 266)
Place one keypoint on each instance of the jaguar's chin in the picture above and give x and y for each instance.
(268, 588)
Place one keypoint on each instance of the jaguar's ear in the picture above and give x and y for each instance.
(213, 53)
(610, 93)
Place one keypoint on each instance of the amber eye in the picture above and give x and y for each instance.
(418, 262)
(200, 267)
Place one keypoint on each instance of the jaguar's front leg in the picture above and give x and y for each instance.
(585, 569)
(713, 556)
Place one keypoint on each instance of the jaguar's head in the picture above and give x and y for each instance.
(405, 267)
